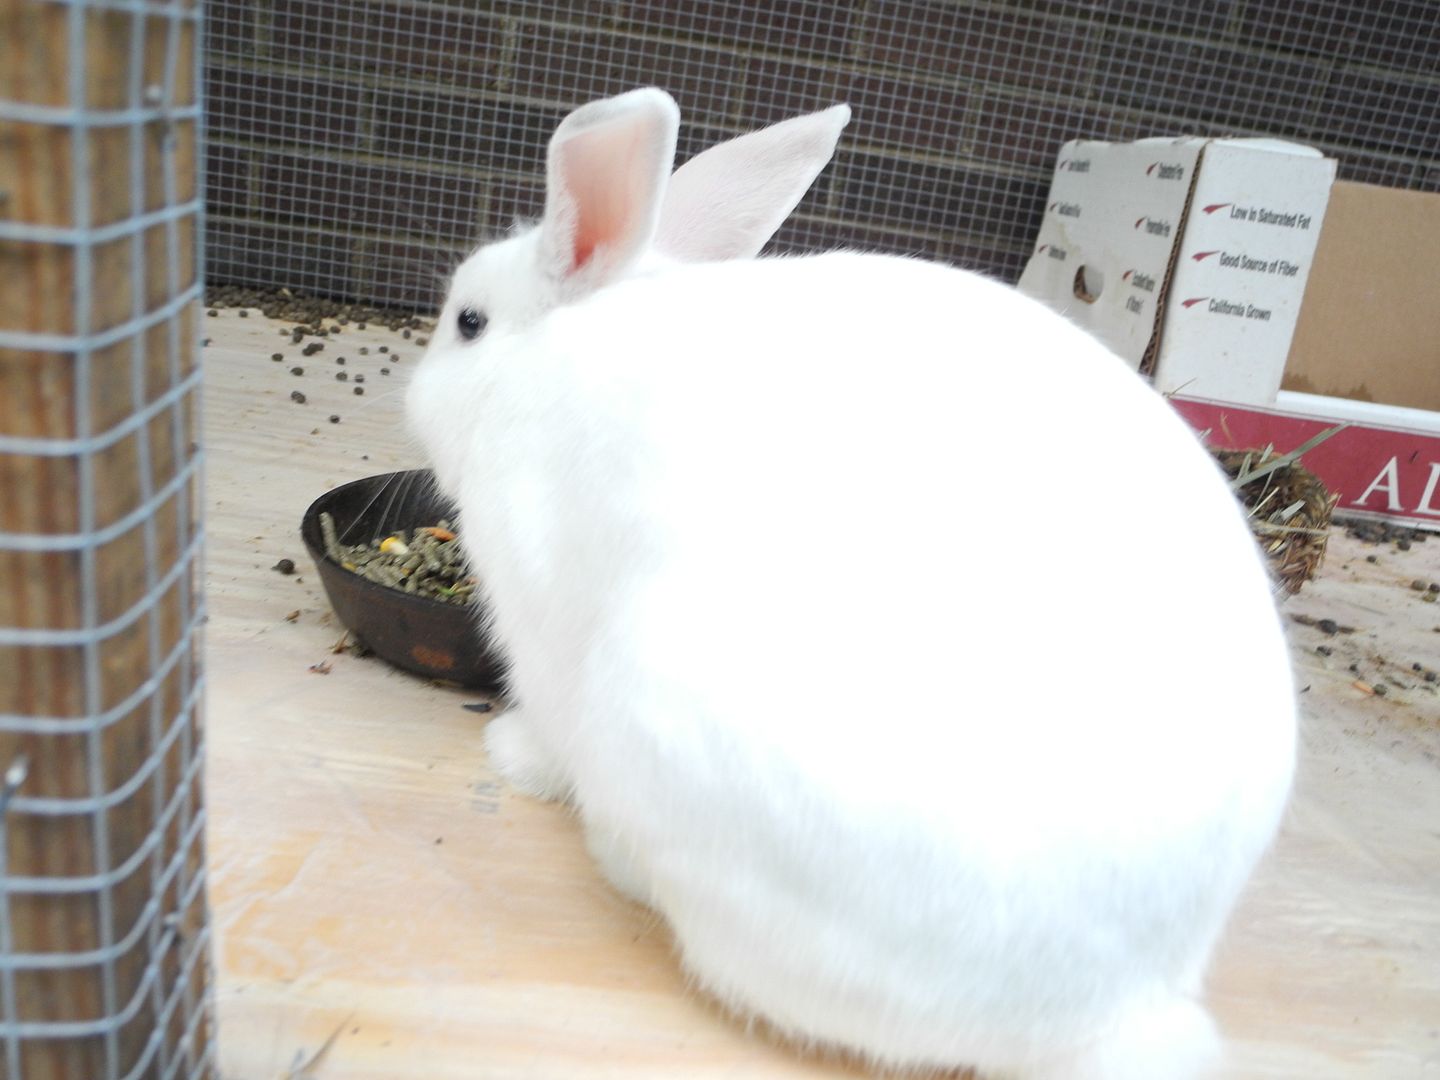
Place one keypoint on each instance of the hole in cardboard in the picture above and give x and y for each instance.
(1089, 284)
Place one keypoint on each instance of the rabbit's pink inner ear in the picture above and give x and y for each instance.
(609, 163)
(606, 184)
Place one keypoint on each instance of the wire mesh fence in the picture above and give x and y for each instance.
(360, 146)
(104, 939)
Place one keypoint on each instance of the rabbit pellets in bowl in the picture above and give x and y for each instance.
(426, 561)
(392, 570)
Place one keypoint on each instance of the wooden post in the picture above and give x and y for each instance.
(104, 935)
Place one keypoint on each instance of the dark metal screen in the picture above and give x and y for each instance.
(358, 147)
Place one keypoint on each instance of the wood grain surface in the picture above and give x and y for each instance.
(386, 908)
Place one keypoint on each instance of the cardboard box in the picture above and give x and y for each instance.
(1370, 325)
(1384, 465)
(1188, 257)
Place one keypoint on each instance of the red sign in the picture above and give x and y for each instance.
(1378, 471)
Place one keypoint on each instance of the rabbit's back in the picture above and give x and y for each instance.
(916, 466)
(848, 476)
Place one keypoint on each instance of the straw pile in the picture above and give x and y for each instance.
(1288, 507)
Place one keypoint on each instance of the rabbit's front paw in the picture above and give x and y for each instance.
(520, 756)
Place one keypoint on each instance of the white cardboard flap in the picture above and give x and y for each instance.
(1130, 226)
(1115, 210)
(1240, 276)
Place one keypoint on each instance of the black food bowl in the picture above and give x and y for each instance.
(429, 637)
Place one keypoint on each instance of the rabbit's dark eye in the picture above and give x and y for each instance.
(470, 322)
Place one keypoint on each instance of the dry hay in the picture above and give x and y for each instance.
(1288, 508)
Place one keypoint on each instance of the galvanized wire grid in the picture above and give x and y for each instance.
(360, 146)
(104, 941)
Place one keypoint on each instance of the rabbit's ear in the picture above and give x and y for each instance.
(608, 166)
(726, 202)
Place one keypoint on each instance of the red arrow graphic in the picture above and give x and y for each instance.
(1193, 301)
(1217, 206)
(1200, 256)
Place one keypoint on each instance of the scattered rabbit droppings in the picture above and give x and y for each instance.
(340, 376)
(359, 378)
(334, 418)
(422, 341)
(244, 314)
(384, 348)
(285, 566)
(212, 313)
(359, 390)
(405, 334)
(384, 371)
(297, 371)
(364, 350)
(341, 359)
(297, 397)
(313, 348)
(277, 356)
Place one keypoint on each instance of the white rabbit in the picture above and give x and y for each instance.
(892, 639)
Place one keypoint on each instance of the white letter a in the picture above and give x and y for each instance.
(1389, 482)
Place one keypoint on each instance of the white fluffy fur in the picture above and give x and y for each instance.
(822, 609)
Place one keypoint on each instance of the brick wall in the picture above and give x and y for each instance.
(360, 147)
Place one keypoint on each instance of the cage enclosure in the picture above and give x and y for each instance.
(104, 936)
(342, 156)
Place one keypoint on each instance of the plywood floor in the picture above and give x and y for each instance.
(385, 908)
